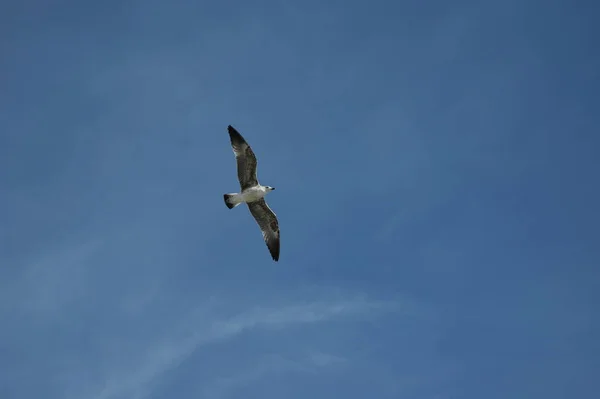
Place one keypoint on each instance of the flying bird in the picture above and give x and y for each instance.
(252, 192)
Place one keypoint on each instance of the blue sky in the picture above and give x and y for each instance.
(436, 172)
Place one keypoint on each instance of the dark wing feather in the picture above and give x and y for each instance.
(267, 221)
(246, 160)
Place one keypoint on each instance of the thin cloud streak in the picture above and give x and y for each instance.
(52, 280)
(169, 355)
(268, 366)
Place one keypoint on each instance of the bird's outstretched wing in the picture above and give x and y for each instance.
(267, 221)
(246, 160)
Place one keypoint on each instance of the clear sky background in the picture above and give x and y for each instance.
(436, 166)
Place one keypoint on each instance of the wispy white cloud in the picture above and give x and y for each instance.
(323, 359)
(267, 367)
(52, 280)
(172, 351)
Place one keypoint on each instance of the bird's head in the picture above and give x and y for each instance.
(269, 188)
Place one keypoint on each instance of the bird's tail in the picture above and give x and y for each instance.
(232, 200)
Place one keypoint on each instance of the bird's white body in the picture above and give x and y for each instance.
(254, 193)
(250, 194)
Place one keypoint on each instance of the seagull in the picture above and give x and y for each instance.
(252, 192)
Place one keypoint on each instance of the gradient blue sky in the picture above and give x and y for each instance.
(436, 166)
